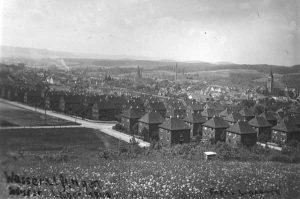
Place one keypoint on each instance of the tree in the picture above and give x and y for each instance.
(145, 134)
(263, 137)
(259, 108)
(135, 129)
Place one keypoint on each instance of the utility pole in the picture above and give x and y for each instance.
(46, 94)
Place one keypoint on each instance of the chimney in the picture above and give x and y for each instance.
(176, 72)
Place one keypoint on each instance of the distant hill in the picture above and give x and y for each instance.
(84, 60)
(32, 53)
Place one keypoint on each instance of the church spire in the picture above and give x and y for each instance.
(270, 82)
(271, 73)
(138, 72)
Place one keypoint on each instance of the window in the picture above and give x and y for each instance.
(181, 139)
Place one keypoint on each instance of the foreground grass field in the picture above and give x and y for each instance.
(149, 178)
(42, 140)
(15, 116)
(70, 163)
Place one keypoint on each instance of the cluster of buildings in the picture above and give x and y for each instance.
(183, 122)
(170, 121)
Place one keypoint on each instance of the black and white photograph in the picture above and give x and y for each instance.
(149, 99)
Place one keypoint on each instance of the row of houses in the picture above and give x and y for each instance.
(95, 107)
(170, 121)
(230, 125)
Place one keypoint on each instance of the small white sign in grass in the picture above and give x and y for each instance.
(209, 155)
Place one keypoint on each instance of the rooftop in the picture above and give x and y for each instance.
(152, 118)
(259, 121)
(233, 117)
(286, 125)
(194, 118)
(174, 124)
(216, 123)
(241, 127)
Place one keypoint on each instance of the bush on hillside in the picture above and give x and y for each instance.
(119, 127)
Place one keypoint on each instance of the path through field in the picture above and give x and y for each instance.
(105, 127)
(40, 127)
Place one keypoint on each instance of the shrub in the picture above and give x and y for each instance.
(145, 134)
(224, 151)
(155, 145)
(263, 137)
(212, 141)
(134, 147)
(107, 154)
(279, 158)
(119, 127)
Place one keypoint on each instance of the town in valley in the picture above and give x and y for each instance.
(157, 99)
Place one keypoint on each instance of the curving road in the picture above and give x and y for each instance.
(103, 126)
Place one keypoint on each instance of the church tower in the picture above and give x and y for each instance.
(286, 91)
(138, 73)
(138, 76)
(270, 83)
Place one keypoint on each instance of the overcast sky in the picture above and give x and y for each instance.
(239, 31)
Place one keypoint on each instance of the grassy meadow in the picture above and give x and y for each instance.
(82, 163)
(15, 116)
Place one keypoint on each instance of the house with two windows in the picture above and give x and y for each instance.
(174, 131)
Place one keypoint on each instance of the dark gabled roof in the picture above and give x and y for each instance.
(282, 112)
(225, 113)
(246, 112)
(175, 112)
(188, 101)
(195, 118)
(281, 115)
(73, 99)
(234, 107)
(259, 121)
(216, 122)
(152, 118)
(233, 117)
(286, 125)
(132, 113)
(173, 103)
(118, 99)
(156, 105)
(241, 127)
(105, 105)
(209, 112)
(269, 115)
(90, 100)
(134, 102)
(218, 106)
(210, 105)
(195, 106)
(174, 124)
